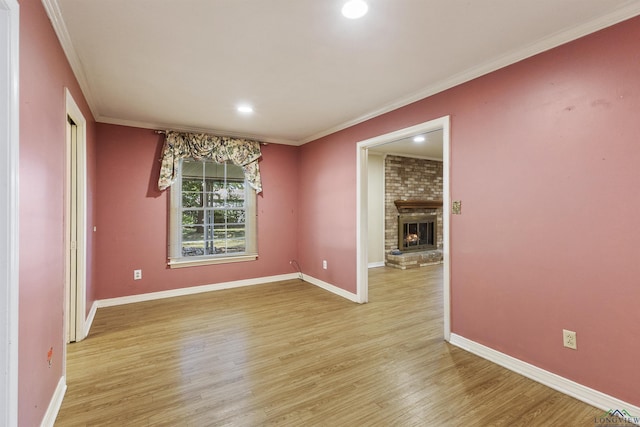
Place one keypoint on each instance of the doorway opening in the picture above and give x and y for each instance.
(442, 124)
(75, 222)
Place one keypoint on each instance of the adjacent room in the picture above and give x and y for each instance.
(340, 212)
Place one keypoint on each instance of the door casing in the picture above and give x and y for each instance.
(77, 262)
(362, 275)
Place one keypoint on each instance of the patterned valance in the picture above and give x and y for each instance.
(200, 146)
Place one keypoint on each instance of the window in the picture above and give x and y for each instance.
(212, 215)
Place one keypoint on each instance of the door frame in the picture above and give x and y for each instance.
(9, 216)
(73, 112)
(362, 274)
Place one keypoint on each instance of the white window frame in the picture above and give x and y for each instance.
(175, 257)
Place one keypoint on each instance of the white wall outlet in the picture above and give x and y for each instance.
(324, 264)
(137, 274)
(569, 339)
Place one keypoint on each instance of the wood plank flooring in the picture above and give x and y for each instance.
(292, 354)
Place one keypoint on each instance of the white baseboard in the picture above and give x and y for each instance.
(90, 317)
(54, 405)
(331, 288)
(192, 290)
(556, 382)
(376, 264)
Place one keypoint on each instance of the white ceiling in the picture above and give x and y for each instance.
(308, 71)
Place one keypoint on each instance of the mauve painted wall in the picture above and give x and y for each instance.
(132, 218)
(328, 211)
(544, 156)
(44, 73)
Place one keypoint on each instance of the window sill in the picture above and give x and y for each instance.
(185, 262)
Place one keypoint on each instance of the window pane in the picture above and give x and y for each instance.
(214, 200)
(220, 235)
(191, 199)
(192, 241)
(209, 232)
(210, 248)
(214, 170)
(193, 233)
(235, 232)
(218, 217)
(216, 193)
(213, 215)
(193, 248)
(235, 216)
(235, 239)
(191, 184)
(192, 217)
(235, 192)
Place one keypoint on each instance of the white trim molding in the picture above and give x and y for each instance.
(73, 111)
(90, 317)
(331, 288)
(50, 416)
(193, 290)
(9, 209)
(554, 381)
(151, 296)
(109, 302)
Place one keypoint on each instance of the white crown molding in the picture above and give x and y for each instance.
(630, 10)
(164, 126)
(55, 16)
(554, 381)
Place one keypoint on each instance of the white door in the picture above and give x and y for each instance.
(75, 222)
(72, 280)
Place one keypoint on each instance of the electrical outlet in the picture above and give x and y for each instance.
(569, 339)
(324, 264)
(137, 274)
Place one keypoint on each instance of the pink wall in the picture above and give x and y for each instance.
(328, 211)
(132, 218)
(44, 73)
(544, 156)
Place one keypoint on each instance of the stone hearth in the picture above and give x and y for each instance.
(414, 259)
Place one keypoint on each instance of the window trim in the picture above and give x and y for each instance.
(174, 237)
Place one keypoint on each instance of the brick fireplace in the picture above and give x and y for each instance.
(413, 198)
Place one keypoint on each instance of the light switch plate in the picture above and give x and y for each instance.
(456, 207)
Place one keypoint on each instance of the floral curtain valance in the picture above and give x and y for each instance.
(199, 146)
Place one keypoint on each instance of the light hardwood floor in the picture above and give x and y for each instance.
(290, 353)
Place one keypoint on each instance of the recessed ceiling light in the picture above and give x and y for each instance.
(418, 138)
(354, 9)
(246, 109)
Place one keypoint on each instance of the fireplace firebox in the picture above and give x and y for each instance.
(417, 232)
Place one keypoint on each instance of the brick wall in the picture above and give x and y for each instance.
(408, 178)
